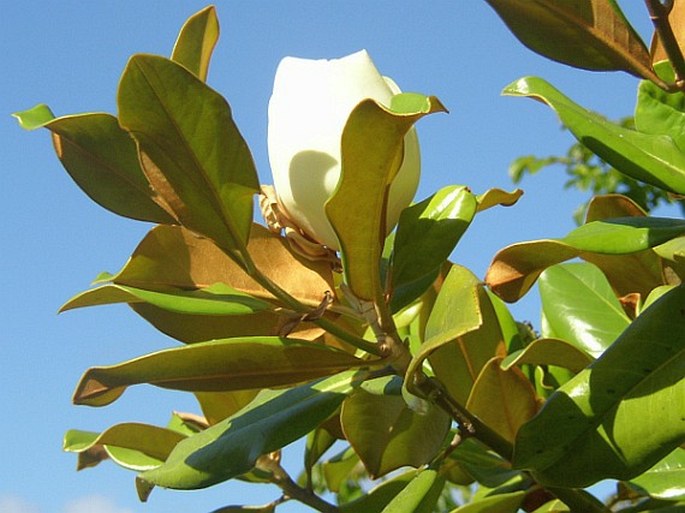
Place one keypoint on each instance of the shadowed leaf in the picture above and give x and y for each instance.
(588, 34)
(231, 447)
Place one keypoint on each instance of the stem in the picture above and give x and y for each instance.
(658, 12)
(294, 491)
(295, 305)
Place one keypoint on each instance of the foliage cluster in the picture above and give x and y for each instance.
(406, 364)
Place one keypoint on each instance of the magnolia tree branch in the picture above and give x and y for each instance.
(659, 12)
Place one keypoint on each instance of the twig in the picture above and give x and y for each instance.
(658, 12)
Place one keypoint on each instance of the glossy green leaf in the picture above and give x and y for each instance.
(622, 235)
(555, 506)
(192, 153)
(217, 299)
(515, 268)
(196, 41)
(666, 479)
(216, 406)
(102, 159)
(501, 503)
(387, 434)
(658, 112)
(587, 34)
(580, 306)
(419, 496)
(379, 496)
(132, 445)
(617, 418)
(637, 272)
(550, 351)
(462, 334)
(318, 442)
(427, 233)
(654, 159)
(217, 365)
(231, 447)
(372, 139)
(502, 399)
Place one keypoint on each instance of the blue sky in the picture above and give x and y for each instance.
(55, 240)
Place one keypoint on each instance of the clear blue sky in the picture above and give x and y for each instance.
(54, 240)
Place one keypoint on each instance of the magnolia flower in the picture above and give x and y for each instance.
(310, 104)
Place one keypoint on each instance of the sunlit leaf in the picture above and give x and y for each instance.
(426, 235)
(337, 469)
(588, 431)
(515, 268)
(588, 34)
(503, 399)
(500, 503)
(216, 406)
(218, 365)
(378, 497)
(102, 159)
(191, 151)
(231, 447)
(580, 306)
(461, 335)
(666, 479)
(132, 445)
(494, 197)
(550, 351)
(420, 494)
(654, 159)
(387, 434)
(372, 140)
(217, 299)
(196, 40)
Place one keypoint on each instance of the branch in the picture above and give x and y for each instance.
(658, 12)
(292, 490)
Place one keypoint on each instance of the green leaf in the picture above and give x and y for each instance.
(658, 112)
(387, 434)
(337, 469)
(270, 422)
(550, 351)
(654, 159)
(580, 306)
(484, 465)
(419, 496)
(318, 442)
(35, 117)
(196, 42)
(666, 479)
(502, 399)
(500, 503)
(587, 34)
(515, 268)
(427, 233)
(217, 365)
(379, 496)
(132, 445)
(217, 299)
(191, 151)
(615, 419)
(461, 335)
(372, 140)
(102, 159)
